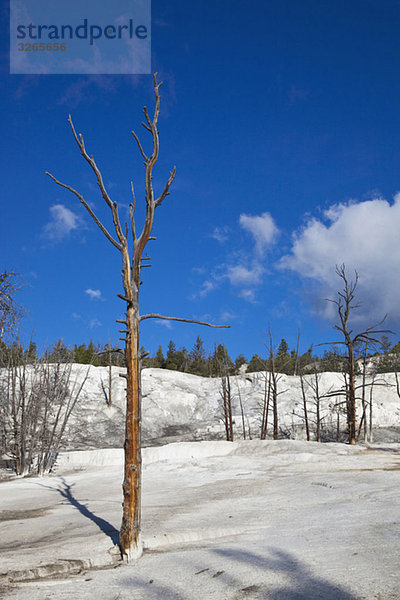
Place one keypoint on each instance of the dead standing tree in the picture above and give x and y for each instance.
(345, 305)
(132, 264)
(10, 311)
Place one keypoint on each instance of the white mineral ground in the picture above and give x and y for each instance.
(286, 519)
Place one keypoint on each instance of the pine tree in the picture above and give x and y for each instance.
(31, 353)
(60, 353)
(197, 359)
(256, 364)
(171, 361)
(220, 362)
(284, 362)
(159, 360)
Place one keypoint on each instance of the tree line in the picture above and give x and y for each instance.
(202, 361)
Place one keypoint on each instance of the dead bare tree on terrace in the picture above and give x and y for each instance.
(266, 403)
(10, 311)
(345, 304)
(132, 263)
(304, 397)
(273, 383)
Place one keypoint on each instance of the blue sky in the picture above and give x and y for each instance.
(283, 121)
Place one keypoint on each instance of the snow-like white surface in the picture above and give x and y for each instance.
(289, 520)
(183, 407)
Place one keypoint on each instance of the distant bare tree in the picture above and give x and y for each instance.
(345, 304)
(273, 384)
(242, 412)
(363, 421)
(221, 360)
(10, 311)
(132, 264)
(305, 410)
(314, 383)
(36, 403)
(271, 392)
(266, 405)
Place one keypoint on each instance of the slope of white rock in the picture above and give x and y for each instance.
(183, 407)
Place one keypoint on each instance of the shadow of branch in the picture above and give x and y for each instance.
(303, 584)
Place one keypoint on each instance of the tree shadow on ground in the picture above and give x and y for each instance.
(231, 573)
(303, 584)
(65, 490)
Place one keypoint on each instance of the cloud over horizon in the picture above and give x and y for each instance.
(365, 237)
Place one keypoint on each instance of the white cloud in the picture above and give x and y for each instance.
(241, 275)
(226, 315)
(220, 234)
(365, 237)
(94, 323)
(248, 295)
(62, 222)
(94, 294)
(206, 287)
(262, 228)
(245, 267)
(165, 323)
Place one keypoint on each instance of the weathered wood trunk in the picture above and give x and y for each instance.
(351, 390)
(130, 541)
(305, 407)
(275, 409)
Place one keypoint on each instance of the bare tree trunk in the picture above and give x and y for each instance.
(110, 399)
(274, 388)
(363, 401)
(371, 391)
(227, 406)
(345, 305)
(241, 410)
(130, 527)
(131, 277)
(303, 393)
(267, 398)
(352, 397)
(338, 426)
(275, 411)
(318, 407)
(397, 383)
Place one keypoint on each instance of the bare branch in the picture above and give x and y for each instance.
(146, 158)
(86, 205)
(329, 343)
(156, 316)
(124, 298)
(146, 114)
(92, 163)
(132, 208)
(165, 192)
